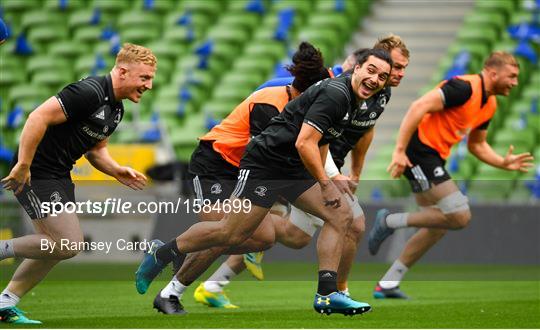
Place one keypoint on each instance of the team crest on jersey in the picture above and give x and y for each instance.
(261, 191)
(216, 189)
(382, 101)
(55, 197)
(438, 171)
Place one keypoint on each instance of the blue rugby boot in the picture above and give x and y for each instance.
(392, 293)
(379, 232)
(13, 315)
(337, 302)
(149, 268)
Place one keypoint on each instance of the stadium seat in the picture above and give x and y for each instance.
(275, 49)
(141, 35)
(210, 8)
(28, 93)
(45, 62)
(201, 78)
(138, 18)
(231, 93)
(53, 78)
(110, 6)
(87, 34)
(245, 20)
(219, 109)
(63, 6)
(251, 80)
(235, 36)
(39, 18)
(46, 34)
(67, 49)
(20, 6)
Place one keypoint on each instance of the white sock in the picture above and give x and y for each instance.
(394, 275)
(219, 279)
(8, 299)
(397, 220)
(174, 288)
(6, 249)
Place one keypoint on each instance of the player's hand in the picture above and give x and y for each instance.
(17, 178)
(399, 163)
(131, 178)
(331, 195)
(353, 183)
(520, 162)
(342, 182)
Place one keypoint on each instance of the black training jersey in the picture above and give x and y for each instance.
(92, 115)
(365, 119)
(327, 106)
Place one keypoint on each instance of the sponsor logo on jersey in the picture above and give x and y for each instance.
(363, 123)
(93, 134)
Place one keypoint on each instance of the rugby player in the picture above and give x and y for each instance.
(75, 122)
(286, 160)
(462, 106)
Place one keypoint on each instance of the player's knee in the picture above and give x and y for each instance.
(64, 251)
(298, 239)
(456, 209)
(341, 218)
(459, 220)
(236, 239)
(357, 228)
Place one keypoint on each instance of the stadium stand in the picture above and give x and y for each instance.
(212, 54)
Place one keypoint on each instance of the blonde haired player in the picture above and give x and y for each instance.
(75, 122)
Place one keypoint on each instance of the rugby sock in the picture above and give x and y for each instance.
(394, 275)
(168, 252)
(6, 249)
(219, 279)
(327, 282)
(174, 288)
(397, 220)
(8, 299)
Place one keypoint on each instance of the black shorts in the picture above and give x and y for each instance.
(212, 177)
(45, 191)
(428, 166)
(264, 185)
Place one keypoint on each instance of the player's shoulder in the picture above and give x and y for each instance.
(339, 89)
(94, 87)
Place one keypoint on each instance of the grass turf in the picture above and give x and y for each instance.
(103, 296)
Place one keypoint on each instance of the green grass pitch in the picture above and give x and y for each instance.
(444, 296)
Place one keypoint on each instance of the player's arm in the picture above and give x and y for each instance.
(478, 146)
(453, 93)
(49, 113)
(100, 158)
(307, 144)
